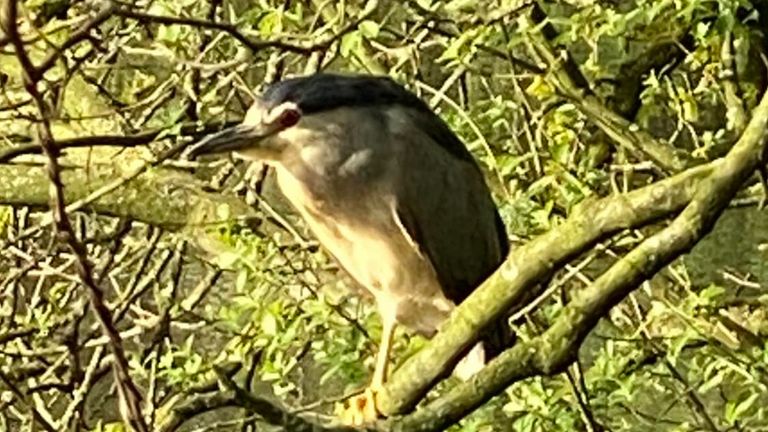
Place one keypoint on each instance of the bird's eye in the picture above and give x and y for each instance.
(289, 117)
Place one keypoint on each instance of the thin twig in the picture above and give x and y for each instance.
(130, 397)
(319, 44)
(194, 131)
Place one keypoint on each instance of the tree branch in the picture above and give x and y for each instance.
(555, 349)
(169, 198)
(526, 266)
(160, 197)
(192, 130)
(80, 34)
(129, 395)
(572, 85)
(591, 222)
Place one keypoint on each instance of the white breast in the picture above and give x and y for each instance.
(377, 253)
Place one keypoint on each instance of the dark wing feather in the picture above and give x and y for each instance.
(446, 207)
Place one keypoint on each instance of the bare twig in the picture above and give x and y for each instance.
(319, 44)
(77, 36)
(130, 397)
(579, 390)
(5, 379)
(191, 130)
(691, 395)
(572, 85)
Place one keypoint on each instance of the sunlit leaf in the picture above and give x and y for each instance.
(369, 29)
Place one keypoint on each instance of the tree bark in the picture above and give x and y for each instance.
(162, 197)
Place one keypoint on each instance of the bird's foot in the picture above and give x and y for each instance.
(361, 409)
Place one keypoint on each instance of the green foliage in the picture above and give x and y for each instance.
(676, 356)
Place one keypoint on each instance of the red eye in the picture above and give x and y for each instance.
(289, 117)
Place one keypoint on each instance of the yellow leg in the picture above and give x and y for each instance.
(362, 409)
(382, 357)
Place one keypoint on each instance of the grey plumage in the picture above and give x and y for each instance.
(386, 187)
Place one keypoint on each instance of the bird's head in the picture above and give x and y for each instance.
(326, 114)
(256, 138)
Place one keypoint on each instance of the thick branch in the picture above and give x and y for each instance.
(176, 200)
(558, 346)
(572, 85)
(160, 197)
(192, 130)
(627, 135)
(525, 267)
(167, 198)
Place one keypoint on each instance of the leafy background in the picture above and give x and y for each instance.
(196, 292)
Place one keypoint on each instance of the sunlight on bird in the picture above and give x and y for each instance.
(389, 191)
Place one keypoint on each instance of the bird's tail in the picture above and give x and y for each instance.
(498, 338)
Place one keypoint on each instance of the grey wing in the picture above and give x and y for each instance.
(446, 208)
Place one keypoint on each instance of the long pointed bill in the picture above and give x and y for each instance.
(228, 140)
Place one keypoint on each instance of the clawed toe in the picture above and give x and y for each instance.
(361, 409)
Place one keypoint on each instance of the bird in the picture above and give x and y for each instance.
(389, 191)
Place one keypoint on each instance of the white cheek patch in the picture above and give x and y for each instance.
(254, 115)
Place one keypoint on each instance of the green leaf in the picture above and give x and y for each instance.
(242, 280)
(540, 88)
(269, 324)
(227, 260)
(734, 411)
(270, 23)
(713, 382)
(711, 292)
(560, 152)
(369, 29)
(223, 212)
(169, 33)
(453, 49)
(350, 42)
(114, 427)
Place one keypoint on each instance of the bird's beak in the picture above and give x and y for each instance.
(228, 140)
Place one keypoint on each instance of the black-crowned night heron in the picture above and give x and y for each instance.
(388, 190)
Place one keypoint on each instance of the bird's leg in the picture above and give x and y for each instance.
(382, 357)
(362, 409)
